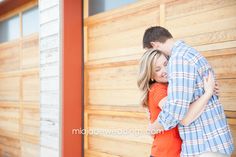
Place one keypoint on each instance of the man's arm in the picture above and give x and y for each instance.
(182, 77)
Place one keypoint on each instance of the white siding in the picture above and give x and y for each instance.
(50, 77)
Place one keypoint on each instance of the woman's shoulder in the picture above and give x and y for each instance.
(158, 87)
(157, 92)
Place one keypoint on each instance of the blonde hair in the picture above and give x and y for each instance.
(146, 66)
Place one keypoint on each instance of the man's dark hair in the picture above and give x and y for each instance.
(156, 33)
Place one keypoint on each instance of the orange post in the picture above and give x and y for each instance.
(72, 111)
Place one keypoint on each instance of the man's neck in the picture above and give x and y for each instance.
(169, 45)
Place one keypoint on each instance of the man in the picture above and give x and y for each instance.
(209, 135)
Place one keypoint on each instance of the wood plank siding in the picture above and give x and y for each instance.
(19, 97)
(113, 46)
(20, 91)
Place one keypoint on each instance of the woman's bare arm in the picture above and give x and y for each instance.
(196, 109)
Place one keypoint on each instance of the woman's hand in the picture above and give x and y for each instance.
(217, 89)
(155, 128)
(209, 84)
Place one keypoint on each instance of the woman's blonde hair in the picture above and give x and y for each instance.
(146, 69)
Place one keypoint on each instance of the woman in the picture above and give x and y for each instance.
(152, 81)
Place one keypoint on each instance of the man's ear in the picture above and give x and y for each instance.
(154, 44)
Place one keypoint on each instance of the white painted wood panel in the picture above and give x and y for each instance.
(50, 63)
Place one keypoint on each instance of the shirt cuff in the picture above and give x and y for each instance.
(167, 123)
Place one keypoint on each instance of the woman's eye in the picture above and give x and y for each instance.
(157, 70)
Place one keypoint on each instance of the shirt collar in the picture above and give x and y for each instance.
(176, 45)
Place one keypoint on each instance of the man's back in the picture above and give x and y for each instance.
(210, 132)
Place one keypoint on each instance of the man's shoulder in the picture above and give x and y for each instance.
(187, 53)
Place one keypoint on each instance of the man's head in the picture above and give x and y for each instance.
(156, 37)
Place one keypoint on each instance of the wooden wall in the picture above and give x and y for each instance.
(113, 45)
(19, 94)
(19, 97)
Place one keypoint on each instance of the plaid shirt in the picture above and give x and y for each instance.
(210, 131)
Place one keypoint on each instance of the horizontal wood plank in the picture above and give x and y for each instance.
(178, 9)
(30, 149)
(138, 149)
(9, 89)
(31, 88)
(92, 153)
(10, 56)
(122, 12)
(30, 52)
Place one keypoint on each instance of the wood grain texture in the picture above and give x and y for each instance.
(19, 102)
(114, 47)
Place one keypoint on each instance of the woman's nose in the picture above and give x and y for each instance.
(165, 69)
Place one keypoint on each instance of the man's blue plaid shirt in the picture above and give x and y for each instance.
(208, 133)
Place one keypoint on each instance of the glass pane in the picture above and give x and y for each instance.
(97, 6)
(10, 29)
(30, 21)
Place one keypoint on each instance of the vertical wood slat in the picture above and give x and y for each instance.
(162, 15)
(85, 52)
(85, 44)
(21, 84)
(86, 8)
(86, 127)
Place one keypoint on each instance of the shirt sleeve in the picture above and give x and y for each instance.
(182, 77)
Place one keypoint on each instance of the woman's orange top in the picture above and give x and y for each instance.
(167, 144)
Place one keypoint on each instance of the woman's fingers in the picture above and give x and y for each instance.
(205, 80)
(211, 77)
(209, 84)
(216, 85)
(152, 130)
(217, 92)
(217, 89)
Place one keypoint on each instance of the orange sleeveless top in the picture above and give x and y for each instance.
(169, 143)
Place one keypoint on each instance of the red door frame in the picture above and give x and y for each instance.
(72, 112)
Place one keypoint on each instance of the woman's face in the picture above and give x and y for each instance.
(160, 69)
